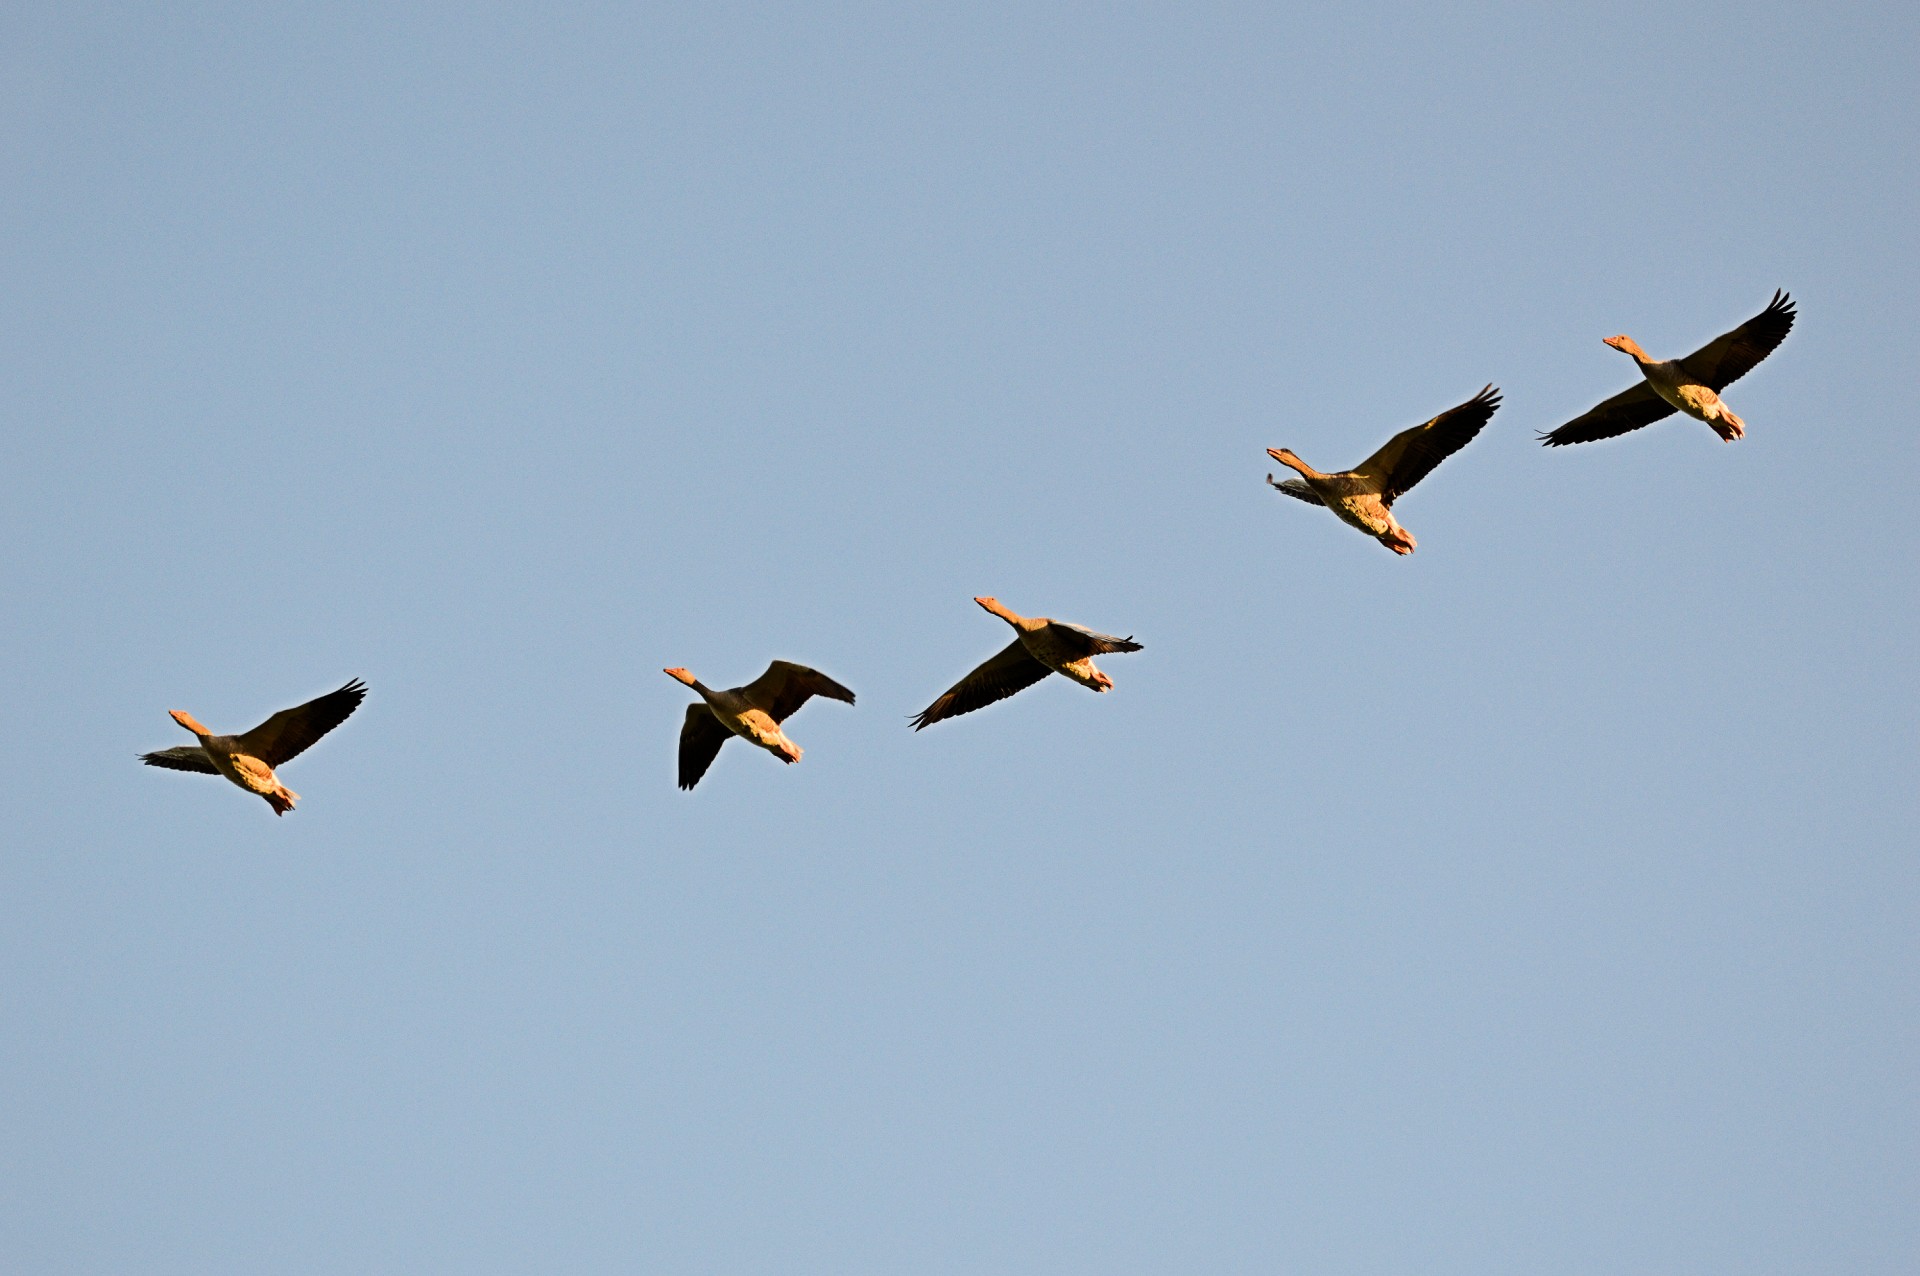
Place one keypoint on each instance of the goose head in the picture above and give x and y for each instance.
(1626, 345)
(188, 721)
(1286, 457)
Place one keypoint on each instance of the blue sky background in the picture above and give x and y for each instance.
(1543, 902)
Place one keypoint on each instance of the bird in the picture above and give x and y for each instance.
(1364, 495)
(1040, 646)
(753, 712)
(1691, 385)
(248, 759)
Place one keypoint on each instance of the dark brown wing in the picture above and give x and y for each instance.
(700, 740)
(185, 757)
(1012, 670)
(1297, 489)
(785, 686)
(1089, 642)
(1410, 455)
(1627, 410)
(1732, 355)
(291, 732)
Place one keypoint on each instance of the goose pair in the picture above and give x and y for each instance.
(757, 712)
(1363, 497)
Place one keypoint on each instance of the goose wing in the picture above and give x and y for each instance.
(700, 739)
(1011, 670)
(1732, 355)
(186, 757)
(1625, 411)
(291, 732)
(1411, 455)
(1297, 489)
(785, 686)
(1089, 642)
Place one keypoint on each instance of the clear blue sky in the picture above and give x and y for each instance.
(1544, 902)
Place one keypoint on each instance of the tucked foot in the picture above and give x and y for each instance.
(1398, 541)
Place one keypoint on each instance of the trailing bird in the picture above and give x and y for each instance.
(754, 712)
(1363, 496)
(1691, 385)
(249, 759)
(1039, 647)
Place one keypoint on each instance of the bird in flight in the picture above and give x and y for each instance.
(249, 759)
(1039, 647)
(754, 712)
(1691, 385)
(1363, 497)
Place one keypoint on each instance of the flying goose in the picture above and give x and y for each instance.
(1040, 646)
(248, 760)
(1692, 385)
(753, 712)
(1364, 496)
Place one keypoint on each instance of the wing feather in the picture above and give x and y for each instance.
(1732, 355)
(700, 739)
(1411, 455)
(1625, 411)
(1009, 671)
(1297, 489)
(185, 757)
(785, 686)
(1088, 641)
(291, 732)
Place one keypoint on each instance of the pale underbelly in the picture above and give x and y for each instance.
(1695, 400)
(1363, 514)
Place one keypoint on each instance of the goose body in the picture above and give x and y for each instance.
(248, 759)
(1363, 497)
(1040, 646)
(1691, 385)
(754, 712)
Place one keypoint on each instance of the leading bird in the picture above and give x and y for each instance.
(1691, 385)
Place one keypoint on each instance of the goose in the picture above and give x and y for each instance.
(1691, 385)
(1039, 647)
(753, 712)
(1364, 496)
(248, 760)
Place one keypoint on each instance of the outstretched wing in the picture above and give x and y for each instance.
(291, 732)
(785, 686)
(700, 740)
(1625, 411)
(186, 757)
(1012, 670)
(1411, 455)
(1089, 642)
(1297, 489)
(1732, 355)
